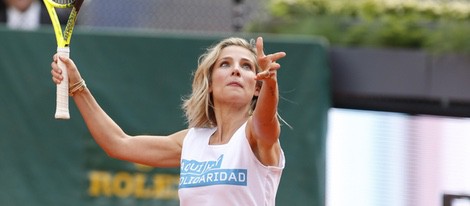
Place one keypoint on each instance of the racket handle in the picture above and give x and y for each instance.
(62, 98)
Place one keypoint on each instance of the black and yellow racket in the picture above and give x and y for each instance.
(63, 49)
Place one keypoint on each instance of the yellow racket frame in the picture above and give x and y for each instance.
(63, 39)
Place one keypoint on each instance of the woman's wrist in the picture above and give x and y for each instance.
(77, 87)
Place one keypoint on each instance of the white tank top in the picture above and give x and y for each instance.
(229, 174)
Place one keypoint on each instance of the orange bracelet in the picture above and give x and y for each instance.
(77, 87)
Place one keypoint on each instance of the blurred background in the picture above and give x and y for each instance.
(398, 127)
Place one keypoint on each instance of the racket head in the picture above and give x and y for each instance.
(63, 36)
(61, 3)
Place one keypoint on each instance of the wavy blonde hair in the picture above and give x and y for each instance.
(198, 107)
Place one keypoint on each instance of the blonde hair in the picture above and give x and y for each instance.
(198, 107)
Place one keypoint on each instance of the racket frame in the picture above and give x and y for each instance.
(63, 42)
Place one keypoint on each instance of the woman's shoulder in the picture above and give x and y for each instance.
(179, 136)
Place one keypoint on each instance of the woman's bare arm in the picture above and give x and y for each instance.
(157, 151)
(264, 124)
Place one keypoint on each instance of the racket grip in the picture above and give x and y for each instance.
(62, 97)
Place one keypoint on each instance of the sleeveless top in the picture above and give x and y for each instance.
(228, 174)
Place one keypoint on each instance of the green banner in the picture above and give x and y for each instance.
(139, 79)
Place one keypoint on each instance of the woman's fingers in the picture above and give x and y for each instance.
(259, 47)
(54, 57)
(56, 78)
(73, 73)
(269, 73)
(276, 56)
(267, 62)
(56, 72)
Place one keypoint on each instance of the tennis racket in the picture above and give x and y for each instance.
(63, 49)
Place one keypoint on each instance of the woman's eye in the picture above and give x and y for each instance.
(246, 66)
(224, 64)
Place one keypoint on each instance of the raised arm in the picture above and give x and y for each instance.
(264, 125)
(157, 151)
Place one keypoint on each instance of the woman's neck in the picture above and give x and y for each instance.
(227, 125)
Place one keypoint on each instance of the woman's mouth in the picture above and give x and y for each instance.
(236, 84)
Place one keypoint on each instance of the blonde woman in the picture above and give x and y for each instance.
(230, 154)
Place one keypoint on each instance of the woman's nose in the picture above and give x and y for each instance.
(236, 70)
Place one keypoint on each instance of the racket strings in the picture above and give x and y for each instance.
(64, 1)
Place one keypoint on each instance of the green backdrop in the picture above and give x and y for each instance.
(139, 78)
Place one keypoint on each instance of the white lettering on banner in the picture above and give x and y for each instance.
(198, 174)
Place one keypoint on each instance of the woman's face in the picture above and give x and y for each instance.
(233, 76)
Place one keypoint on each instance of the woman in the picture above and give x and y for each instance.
(231, 154)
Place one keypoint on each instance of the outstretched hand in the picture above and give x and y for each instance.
(267, 63)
